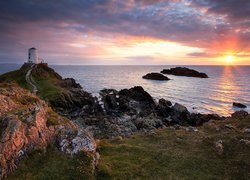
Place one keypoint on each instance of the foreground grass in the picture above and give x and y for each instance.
(176, 154)
(165, 154)
(53, 165)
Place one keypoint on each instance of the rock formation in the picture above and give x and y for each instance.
(183, 71)
(156, 76)
(26, 126)
(239, 105)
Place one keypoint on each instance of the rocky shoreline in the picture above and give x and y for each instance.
(82, 118)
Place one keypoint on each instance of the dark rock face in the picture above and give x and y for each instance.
(183, 71)
(239, 105)
(179, 114)
(136, 101)
(109, 99)
(240, 114)
(164, 108)
(75, 101)
(133, 101)
(70, 83)
(199, 119)
(156, 76)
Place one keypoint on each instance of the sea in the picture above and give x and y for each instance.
(225, 85)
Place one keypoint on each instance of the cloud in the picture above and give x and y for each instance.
(52, 26)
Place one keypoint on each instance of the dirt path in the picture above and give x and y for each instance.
(30, 80)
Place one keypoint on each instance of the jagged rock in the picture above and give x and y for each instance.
(239, 114)
(245, 141)
(25, 128)
(136, 101)
(147, 123)
(70, 83)
(180, 108)
(199, 119)
(156, 76)
(18, 138)
(183, 71)
(164, 108)
(72, 143)
(71, 99)
(179, 114)
(239, 105)
(109, 98)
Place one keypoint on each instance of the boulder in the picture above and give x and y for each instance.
(109, 99)
(179, 114)
(200, 119)
(239, 114)
(136, 101)
(164, 108)
(30, 125)
(180, 108)
(183, 71)
(156, 76)
(219, 147)
(147, 123)
(70, 83)
(239, 105)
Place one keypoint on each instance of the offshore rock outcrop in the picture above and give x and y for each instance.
(156, 76)
(183, 71)
(27, 124)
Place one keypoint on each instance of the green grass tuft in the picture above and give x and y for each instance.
(54, 165)
(17, 76)
(179, 154)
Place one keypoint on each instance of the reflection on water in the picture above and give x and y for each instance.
(226, 91)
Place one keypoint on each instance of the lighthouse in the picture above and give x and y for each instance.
(33, 56)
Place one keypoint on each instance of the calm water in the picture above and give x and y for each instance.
(213, 95)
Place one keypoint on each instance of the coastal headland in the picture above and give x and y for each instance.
(43, 114)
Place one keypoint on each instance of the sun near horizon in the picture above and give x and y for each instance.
(131, 32)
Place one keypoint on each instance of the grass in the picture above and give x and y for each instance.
(53, 165)
(27, 100)
(47, 82)
(55, 119)
(17, 76)
(179, 154)
(165, 154)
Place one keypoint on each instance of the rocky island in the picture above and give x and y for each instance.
(62, 123)
(156, 76)
(183, 71)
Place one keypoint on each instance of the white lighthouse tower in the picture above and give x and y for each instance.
(33, 56)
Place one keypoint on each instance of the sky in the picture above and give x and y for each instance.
(131, 32)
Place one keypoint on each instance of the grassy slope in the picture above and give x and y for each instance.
(47, 82)
(167, 154)
(17, 76)
(53, 165)
(45, 79)
(177, 154)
